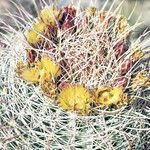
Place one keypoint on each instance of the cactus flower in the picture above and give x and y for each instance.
(122, 26)
(140, 80)
(137, 55)
(75, 98)
(33, 35)
(30, 75)
(50, 15)
(106, 96)
(45, 69)
(91, 11)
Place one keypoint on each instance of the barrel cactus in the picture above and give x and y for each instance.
(74, 78)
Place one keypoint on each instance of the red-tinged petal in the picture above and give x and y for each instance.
(67, 21)
(70, 11)
(121, 81)
(126, 66)
(67, 25)
(63, 85)
(31, 55)
(120, 48)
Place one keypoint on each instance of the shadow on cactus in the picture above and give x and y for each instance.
(81, 69)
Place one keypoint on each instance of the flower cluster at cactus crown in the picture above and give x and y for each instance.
(88, 61)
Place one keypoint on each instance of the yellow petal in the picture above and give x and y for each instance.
(141, 80)
(39, 27)
(91, 11)
(49, 15)
(75, 98)
(30, 75)
(33, 35)
(116, 95)
(137, 55)
(44, 76)
(122, 26)
(106, 96)
(50, 66)
(100, 91)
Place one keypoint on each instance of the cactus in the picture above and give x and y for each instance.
(73, 79)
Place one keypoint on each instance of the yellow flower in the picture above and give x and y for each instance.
(44, 76)
(140, 80)
(75, 98)
(33, 35)
(39, 27)
(43, 70)
(107, 96)
(137, 55)
(91, 11)
(49, 15)
(122, 25)
(117, 95)
(48, 65)
(31, 75)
